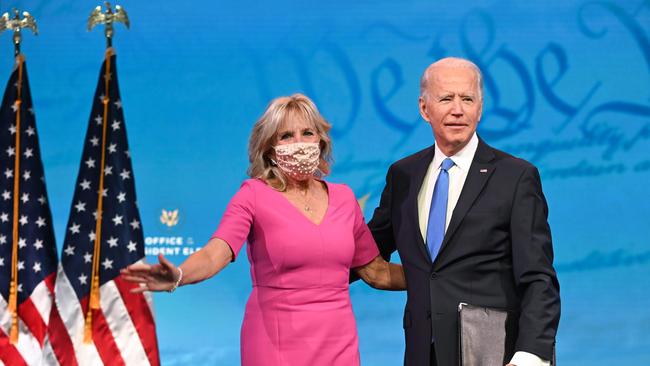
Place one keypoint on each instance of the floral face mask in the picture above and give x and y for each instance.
(298, 160)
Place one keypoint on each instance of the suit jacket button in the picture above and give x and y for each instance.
(428, 314)
(434, 275)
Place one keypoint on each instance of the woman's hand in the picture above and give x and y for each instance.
(157, 277)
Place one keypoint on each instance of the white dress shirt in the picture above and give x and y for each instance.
(457, 176)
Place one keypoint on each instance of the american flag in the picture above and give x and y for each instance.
(25, 213)
(122, 326)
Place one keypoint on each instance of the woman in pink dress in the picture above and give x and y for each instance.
(304, 235)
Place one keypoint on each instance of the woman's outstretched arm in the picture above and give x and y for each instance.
(164, 275)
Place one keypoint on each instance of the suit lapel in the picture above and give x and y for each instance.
(419, 171)
(479, 172)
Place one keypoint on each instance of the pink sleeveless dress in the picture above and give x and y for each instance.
(299, 311)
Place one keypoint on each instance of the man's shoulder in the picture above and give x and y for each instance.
(418, 158)
(507, 160)
(499, 157)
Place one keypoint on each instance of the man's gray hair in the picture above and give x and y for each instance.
(451, 62)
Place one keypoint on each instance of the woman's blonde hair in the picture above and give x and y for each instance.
(264, 137)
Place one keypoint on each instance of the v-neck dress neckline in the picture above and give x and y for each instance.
(299, 212)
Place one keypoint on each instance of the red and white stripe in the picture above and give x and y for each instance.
(33, 317)
(123, 329)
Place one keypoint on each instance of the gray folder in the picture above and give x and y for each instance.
(486, 335)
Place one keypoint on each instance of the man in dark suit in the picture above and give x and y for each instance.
(470, 225)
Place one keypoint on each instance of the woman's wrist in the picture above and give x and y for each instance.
(177, 283)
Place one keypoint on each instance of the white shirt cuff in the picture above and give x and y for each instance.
(528, 359)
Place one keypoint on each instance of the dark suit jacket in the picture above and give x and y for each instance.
(497, 252)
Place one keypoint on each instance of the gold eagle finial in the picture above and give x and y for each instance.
(108, 18)
(16, 24)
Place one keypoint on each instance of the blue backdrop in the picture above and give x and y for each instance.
(567, 87)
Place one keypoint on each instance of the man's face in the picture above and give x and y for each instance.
(452, 105)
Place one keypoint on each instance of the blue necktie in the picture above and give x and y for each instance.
(438, 210)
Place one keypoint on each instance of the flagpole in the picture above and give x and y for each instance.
(94, 303)
(107, 18)
(13, 286)
(16, 24)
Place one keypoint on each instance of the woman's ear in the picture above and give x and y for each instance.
(271, 159)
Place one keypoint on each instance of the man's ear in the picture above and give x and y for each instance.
(423, 108)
